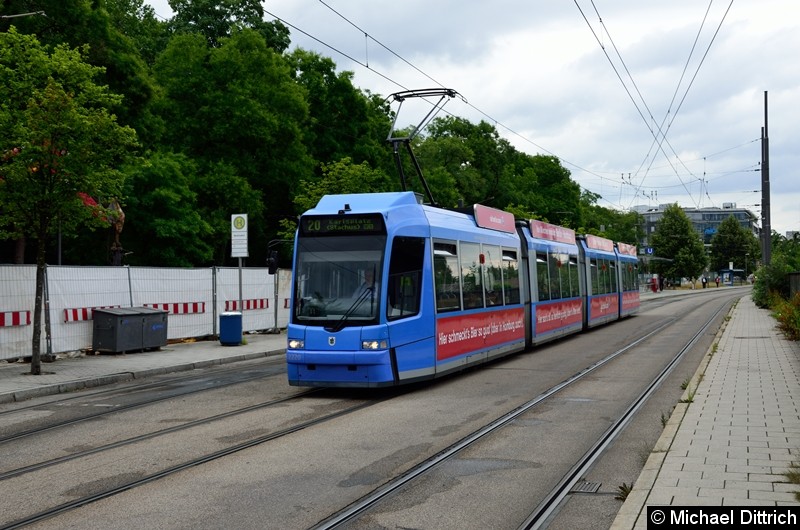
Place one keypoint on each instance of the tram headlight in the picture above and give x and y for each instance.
(374, 344)
(296, 344)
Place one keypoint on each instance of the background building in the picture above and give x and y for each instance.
(705, 221)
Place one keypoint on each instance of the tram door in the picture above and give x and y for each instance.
(410, 331)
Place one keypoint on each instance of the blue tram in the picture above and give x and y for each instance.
(388, 291)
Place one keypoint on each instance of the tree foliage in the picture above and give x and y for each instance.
(675, 241)
(773, 280)
(231, 121)
(217, 19)
(734, 244)
(60, 148)
(86, 24)
(342, 121)
(179, 236)
(238, 105)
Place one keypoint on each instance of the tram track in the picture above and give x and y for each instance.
(349, 516)
(414, 462)
(129, 441)
(541, 513)
(137, 387)
(6, 478)
(153, 393)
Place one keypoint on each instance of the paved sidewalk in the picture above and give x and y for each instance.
(85, 371)
(733, 443)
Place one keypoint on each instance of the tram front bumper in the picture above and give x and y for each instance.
(342, 368)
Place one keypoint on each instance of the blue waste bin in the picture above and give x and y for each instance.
(230, 328)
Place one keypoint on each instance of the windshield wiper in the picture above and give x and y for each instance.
(368, 292)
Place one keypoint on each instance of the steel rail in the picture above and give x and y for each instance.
(557, 494)
(354, 510)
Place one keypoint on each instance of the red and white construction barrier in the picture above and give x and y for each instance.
(181, 308)
(79, 314)
(247, 305)
(15, 318)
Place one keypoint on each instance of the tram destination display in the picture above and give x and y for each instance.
(326, 225)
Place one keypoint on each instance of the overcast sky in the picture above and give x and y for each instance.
(594, 82)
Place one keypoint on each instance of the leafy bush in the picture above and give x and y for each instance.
(773, 278)
(787, 313)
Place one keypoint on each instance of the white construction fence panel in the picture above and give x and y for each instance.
(256, 303)
(74, 294)
(193, 298)
(186, 295)
(17, 300)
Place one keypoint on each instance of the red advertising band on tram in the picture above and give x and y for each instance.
(462, 334)
(604, 305)
(550, 317)
(630, 300)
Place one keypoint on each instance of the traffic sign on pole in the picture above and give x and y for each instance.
(239, 235)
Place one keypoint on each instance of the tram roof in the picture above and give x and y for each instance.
(364, 202)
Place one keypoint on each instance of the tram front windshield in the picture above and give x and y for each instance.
(337, 280)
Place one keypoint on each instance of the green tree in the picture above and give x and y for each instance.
(471, 163)
(445, 162)
(222, 191)
(560, 197)
(734, 243)
(472, 154)
(87, 22)
(217, 19)
(676, 241)
(339, 177)
(773, 279)
(60, 149)
(138, 22)
(238, 105)
(164, 226)
(343, 121)
(625, 227)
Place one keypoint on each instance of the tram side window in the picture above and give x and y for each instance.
(511, 277)
(471, 275)
(575, 289)
(542, 276)
(626, 276)
(405, 277)
(595, 267)
(446, 276)
(630, 274)
(612, 276)
(493, 276)
(602, 274)
(554, 264)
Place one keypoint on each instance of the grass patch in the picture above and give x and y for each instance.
(623, 491)
(793, 476)
(689, 397)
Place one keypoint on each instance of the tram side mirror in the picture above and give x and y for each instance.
(272, 262)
